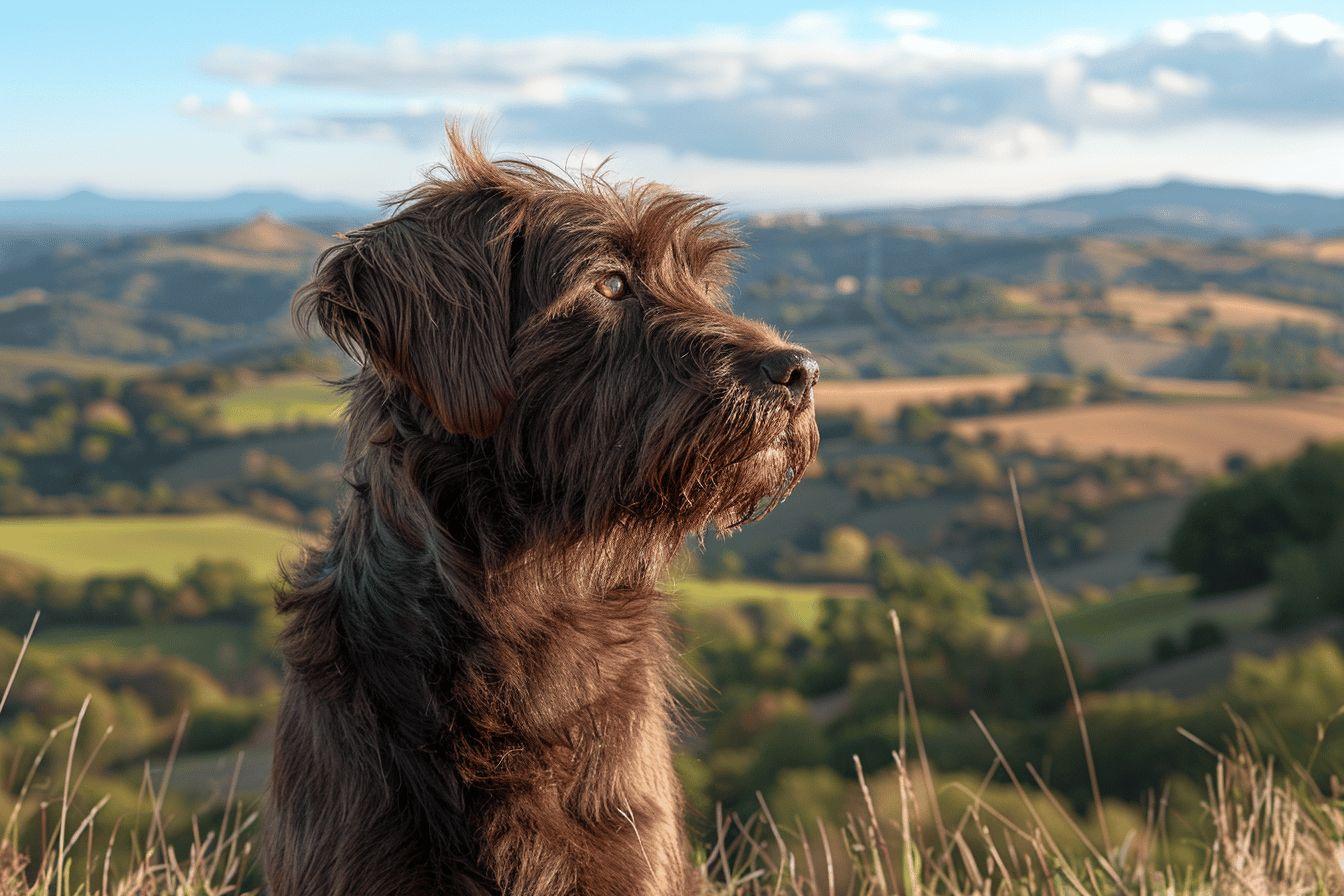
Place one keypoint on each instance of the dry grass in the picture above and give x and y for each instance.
(1327, 251)
(884, 397)
(1149, 307)
(1198, 434)
(48, 848)
(1270, 833)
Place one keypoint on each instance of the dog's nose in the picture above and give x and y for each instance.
(794, 368)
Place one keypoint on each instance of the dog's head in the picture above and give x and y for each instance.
(581, 332)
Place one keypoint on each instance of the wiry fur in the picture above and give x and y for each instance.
(477, 697)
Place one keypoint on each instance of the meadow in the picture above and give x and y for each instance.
(158, 546)
(1123, 630)
(280, 401)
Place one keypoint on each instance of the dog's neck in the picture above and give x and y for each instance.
(429, 520)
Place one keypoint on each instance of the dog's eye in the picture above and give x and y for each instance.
(613, 286)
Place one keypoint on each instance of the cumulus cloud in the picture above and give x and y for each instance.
(236, 106)
(907, 19)
(818, 88)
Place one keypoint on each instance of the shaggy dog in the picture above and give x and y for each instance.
(553, 394)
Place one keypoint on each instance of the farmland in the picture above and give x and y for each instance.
(1200, 434)
(800, 602)
(1149, 307)
(884, 397)
(1124, 629)
(278, 402)
(158, 546)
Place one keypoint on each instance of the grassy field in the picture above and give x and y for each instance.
(802, 601)
(156, 545)
(1198, 434)
(279, 401)
(224, 648)
(1123, 630)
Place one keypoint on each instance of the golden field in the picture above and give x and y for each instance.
(1200, 434)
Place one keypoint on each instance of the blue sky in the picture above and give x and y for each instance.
(767, 104)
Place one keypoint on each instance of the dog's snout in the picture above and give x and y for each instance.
(792, 368)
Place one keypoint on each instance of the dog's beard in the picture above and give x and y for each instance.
(742, 459)
(758, 484)
(681, 463)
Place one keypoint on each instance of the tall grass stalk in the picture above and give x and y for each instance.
(133, 861)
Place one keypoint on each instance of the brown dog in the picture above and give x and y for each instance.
(553, 395)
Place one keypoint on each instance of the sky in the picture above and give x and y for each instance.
(767, 105)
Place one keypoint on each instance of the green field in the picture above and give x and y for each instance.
(802, 601)
(225, 648)
(157, 545)
(1122, 631)
(279, 401)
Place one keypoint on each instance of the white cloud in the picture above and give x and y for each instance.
(907, 19)
(236, 106)
(1255, 27)
(1309, 28)
(813, 89)
(1118, 98)
(1178, 83)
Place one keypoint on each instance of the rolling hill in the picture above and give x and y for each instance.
(159, 296)
(875, 294)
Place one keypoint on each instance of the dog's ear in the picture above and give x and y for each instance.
(423, 299)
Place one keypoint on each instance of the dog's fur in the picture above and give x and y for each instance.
(477, 697)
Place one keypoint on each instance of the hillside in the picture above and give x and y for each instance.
(159, 296)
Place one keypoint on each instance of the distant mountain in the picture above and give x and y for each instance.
(1174, 209)
(86, 210)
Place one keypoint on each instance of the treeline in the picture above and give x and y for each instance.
(79, 446)
(211, 589)
(1289, 357)
(796, 700)
(1282, 523)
